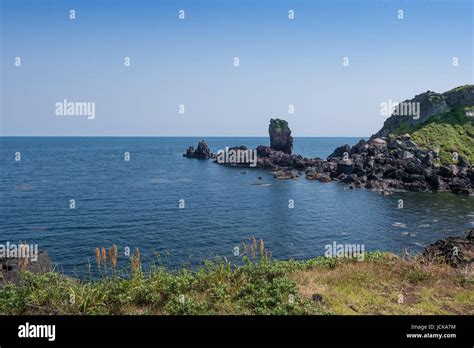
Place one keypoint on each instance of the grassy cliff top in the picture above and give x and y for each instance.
(460, 88)
(452, 132)
(382, 283)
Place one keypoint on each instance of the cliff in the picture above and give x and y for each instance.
(432, 106)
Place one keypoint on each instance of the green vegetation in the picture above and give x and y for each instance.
(277, 125)
(381, 284)
(452, 132)
(460, 88)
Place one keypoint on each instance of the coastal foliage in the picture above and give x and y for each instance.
(257, 285)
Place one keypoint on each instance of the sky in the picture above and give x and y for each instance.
(190, 62)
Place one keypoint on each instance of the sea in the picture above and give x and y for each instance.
(71, 195)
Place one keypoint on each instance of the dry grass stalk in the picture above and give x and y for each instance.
(261, 247)
(104, 257)
(97, 257)
(135, 261)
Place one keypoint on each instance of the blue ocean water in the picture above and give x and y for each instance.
(136, 203)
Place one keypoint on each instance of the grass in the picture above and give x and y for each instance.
(257, 285)
(452, 132)
(390, 285)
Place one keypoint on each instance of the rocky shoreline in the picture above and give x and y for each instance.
(456, 252)
(380, 164)
(385, 163)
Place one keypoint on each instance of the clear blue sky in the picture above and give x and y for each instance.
(190, 62)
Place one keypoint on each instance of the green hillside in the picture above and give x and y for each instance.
(452, 132)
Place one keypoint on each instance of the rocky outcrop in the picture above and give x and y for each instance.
(455, 251)
(384, 163)
(201, 152)
(340, 151)
(397, 163)
(431, 105)
(380, 164)
(394, 164)
(11, 268)
(460, 97)
(280, 136)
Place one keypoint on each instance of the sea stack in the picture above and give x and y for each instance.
(280, 136)
(202, 151)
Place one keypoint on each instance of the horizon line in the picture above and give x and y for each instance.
(169, 136)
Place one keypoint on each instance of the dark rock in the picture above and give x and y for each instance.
(264, 151)
(202, 151)
(403, 154)
(340, 151)
(459, 190)
(395, 144)
(447, 171)
(428, 159)
(455, 251)
(352, 178)
(345, 167)
(280, 136)
(470, 175)
(415, 177)
(437, 183)
(410, 144)
(11, 268)
(267, 163)
(463, 162)
(397, 174)
(374, 185)
(360, 147)
(418, 186)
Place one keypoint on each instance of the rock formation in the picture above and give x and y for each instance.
(202, 151)
(11, 268)
(280, 136)
(455, 251)
(432, 105)
(384, 163)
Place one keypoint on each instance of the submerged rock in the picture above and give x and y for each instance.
(318, 176)
(285, 174)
